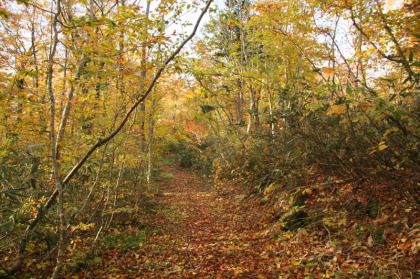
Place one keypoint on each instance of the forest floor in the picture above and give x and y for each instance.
(193, 231)
(190, 229)
(187, 228)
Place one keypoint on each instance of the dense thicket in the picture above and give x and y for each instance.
(338, 88)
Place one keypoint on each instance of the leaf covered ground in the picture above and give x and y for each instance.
(191, 230)
(196, 233)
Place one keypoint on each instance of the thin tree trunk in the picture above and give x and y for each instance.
(66, 111)
(58, 182)
(143, 85)
(34, 53)
(270, 105)
(150, 143)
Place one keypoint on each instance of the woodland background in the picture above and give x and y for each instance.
(308, 108)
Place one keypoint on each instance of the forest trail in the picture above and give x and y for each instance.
(197, 233)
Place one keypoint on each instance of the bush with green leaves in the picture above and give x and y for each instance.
(362, 133)
(198, 156)
(21, 187)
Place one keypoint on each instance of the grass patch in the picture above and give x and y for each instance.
(166, 175)
(126, 241)
(169, 161)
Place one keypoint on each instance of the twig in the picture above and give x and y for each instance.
(188, 253)
(328, 231)
(38, 7)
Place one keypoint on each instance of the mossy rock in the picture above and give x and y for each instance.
(374, 208)
(295, 218)
(378, 235)
(299, 197)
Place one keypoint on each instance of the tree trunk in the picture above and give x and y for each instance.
(58, 182)
(143, 86)
(150, 143)
(67, 107)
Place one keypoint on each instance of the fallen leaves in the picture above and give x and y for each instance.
(198, 233)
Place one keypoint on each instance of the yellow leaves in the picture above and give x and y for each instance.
(42, 266)
(391, 130)
(264, 255)
(238, 271)
(363, 106)
(381, 146)
(3, 153)
(288, 235)
(307, 192)
(82, 227)
(29, 262)
(295, 263)
(337, 109)
(271, 188)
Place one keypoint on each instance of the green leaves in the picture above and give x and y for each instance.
(14, 194)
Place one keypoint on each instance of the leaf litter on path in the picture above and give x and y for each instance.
(200, 234)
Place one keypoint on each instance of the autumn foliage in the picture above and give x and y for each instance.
(282, 143)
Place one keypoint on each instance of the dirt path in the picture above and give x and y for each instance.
(197, 233)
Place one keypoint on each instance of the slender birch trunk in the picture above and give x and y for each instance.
(58, 182)
(143, 85)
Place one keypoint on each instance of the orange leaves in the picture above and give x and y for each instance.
(197, 130)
